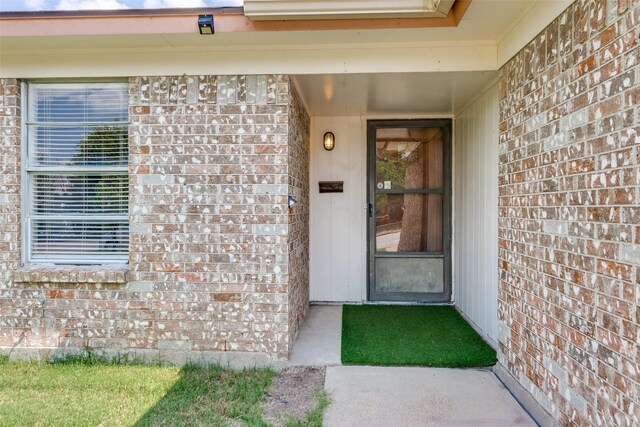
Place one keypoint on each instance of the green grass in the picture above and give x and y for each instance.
(89, 391)
(397, 335)
(212, 396)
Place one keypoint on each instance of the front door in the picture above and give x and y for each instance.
(409, 196)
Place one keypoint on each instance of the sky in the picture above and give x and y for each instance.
(31, 5)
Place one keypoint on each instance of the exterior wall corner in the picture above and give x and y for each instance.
(218, 263)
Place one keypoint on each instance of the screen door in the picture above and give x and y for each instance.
(409, 210)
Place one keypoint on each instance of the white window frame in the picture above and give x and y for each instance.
(27, 172)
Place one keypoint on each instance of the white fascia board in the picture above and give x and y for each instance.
(344, 9)
(471, 56)
(530, 24)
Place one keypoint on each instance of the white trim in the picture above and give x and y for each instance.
(84, 217)
(25, 189)
(278, 52)
(343, 9)
(60, 261)
(452, 249)
(68, 170)
(75, 124)
(300, 93)
(372, 58)
(49, 84)
(514, 24)
(28, 172)
(531, 23)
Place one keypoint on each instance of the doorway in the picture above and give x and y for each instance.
(409, 210)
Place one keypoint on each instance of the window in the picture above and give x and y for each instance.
(77, 173)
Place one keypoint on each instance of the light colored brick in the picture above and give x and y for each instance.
(630, 253)
(218, 262)
(569, 264)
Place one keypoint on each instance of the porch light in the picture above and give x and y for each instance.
(205, 24)
(329, 141)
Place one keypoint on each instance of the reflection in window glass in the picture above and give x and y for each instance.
(409, 223)
(409, 158)
(56, 145)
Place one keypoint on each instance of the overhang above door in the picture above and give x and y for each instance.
(391, 94)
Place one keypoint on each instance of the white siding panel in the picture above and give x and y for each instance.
(357, 186)
(475, 272)
(338, 221)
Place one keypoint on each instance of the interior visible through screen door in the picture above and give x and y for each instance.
(409, 210)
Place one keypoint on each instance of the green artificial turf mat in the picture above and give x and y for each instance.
(397, 335)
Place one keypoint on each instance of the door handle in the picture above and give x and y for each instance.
(370, 210)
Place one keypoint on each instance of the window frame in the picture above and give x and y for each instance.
(28, 172)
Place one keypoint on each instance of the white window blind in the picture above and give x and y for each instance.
(77, 173)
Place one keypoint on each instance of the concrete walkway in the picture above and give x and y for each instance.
(398, 397)
(320, 337)
(382, 396)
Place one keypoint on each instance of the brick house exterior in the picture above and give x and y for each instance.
(569, 221)
(218, 259)
(220, 212)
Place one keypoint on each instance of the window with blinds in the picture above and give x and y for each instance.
(77, 173)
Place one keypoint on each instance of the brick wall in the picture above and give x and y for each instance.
(10, 168)
(209, 260)
(10, 156)
(298, 161)
(569, 231)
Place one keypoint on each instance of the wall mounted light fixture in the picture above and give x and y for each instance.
(329, 141)
(205, 24)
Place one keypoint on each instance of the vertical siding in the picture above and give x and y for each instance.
(338, 221)
(475, 270)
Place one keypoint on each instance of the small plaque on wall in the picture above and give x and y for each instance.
(331, 186)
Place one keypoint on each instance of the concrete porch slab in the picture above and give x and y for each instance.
(384, 396)
(320, 338)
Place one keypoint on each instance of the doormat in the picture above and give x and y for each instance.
(396, 335)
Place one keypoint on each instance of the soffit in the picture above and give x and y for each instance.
(391, 94)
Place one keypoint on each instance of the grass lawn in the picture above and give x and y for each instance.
(86, 394)
(398, 335)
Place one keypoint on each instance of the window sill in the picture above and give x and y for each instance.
(95, 274)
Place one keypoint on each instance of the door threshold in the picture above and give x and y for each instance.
(405, 303)
(331, 302)
(314, 303)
